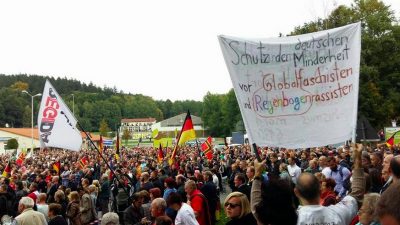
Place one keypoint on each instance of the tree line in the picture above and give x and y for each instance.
(94, 106)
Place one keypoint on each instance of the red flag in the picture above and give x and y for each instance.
(207, 148)
(7, 170)
(390, 141)
(21, 158)
(83, 162)
(56, 167)
(160, 155)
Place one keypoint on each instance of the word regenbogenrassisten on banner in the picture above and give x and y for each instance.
(298, 91)
(56, 124)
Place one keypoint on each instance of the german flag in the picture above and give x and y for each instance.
(83, 162)
(117, 147)
(207, 148)
(187, 133)
(160, 154)
(7, 170)
(101, 145)
(390, 141)
(56, 167)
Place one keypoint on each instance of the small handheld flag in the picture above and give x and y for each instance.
(7, 170)
(206, 147)
(390, 141)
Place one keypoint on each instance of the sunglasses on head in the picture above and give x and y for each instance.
(232, 205)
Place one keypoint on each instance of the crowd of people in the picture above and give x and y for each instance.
(344, 185)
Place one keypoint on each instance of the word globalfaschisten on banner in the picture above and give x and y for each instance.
(282, 84)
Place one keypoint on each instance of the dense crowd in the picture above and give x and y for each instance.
(344, 185)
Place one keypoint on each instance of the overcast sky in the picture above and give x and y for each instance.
(163, 49)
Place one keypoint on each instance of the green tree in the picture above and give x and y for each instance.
(126, 135)
(20, 86)
(27, 117)
(12, 144)
(212, 114)
(104, 129)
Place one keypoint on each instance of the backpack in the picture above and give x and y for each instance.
(346, 183)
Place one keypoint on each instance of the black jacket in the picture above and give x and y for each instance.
(58, 220)
(247, 219)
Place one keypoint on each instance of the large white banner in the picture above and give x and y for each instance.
(299, 91)
(57, 125)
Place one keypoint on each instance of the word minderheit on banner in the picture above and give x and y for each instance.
(298, 91)
(56, 124)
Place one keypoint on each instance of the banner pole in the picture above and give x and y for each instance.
(98, 151)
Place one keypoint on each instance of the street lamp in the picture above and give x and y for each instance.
(32, 96)
(73, 104)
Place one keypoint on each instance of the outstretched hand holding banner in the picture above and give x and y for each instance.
(298, 91)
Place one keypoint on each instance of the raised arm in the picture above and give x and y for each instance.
(255, 196)
(358, 183)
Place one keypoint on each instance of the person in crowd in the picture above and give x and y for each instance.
(367, 215)
(293, 169)
(209, 190)
(54, 215)
(198, 202)
(312, 167)
(274, 165)
(169, 185)
(237, 208)
(88, 211)
(155, 193)
(180, 182)
(42, 206)
(186, 214)
(240, 184)
(110, 218)
(163, 220)
(328, 195)
(386, 173)
(73, 211)
(27, 215)
(375, 172)
(59, 198)
(158, 207)
(134, 214)
(308, 191)
(250, 175)
(340, 174)
(322, 163)
(104, 194)
(146, 204)
(145, 182)
(53, 188)
(284, 174)
(388, 208)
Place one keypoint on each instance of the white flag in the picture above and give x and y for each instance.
(298, 91)
(56, 124)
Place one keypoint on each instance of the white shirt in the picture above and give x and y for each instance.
(340, 214)
(294, 172)
(185, 216)
(215, 180)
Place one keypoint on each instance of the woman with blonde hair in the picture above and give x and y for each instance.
(73, 211)
(237, 208)
(367, 213)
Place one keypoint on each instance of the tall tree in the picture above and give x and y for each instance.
(104, 129)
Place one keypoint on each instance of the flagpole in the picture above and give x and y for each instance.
(91, 142)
